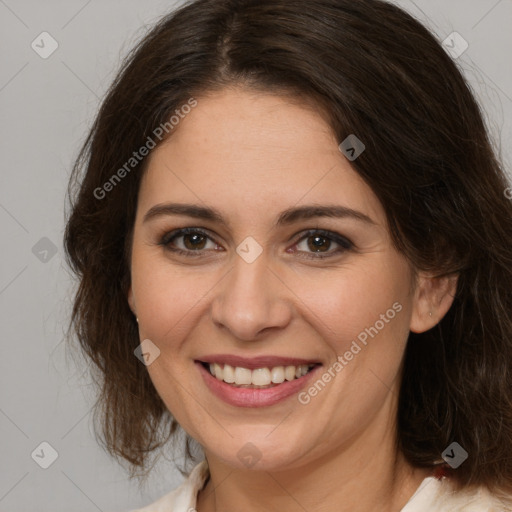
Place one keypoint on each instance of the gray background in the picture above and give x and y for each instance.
(47, 106)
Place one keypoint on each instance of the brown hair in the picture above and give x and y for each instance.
(373, 71)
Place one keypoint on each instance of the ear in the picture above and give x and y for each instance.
(433, 298)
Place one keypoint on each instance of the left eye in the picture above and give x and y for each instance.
(319, 242)
(194, 242)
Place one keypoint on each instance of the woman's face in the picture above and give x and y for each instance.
(274, 280)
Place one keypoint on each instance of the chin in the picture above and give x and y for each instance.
(263, 455)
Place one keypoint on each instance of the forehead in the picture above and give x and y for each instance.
(252, 151)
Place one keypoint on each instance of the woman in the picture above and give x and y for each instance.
(293, 241)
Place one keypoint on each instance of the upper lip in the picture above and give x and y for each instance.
(256, 362)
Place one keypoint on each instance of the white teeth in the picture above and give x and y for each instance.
(289, 373)
(277, 374)
(229, 374)
(259, 376)
(243, 376)
(219, 372)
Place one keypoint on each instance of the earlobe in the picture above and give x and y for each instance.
(433, 298)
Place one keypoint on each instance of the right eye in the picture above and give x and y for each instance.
(193, 241)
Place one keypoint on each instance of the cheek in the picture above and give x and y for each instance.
(170, 300)
(349, 302)
(361, 315)
(166, 294)
(340, 303)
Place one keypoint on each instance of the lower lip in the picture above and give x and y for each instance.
(254, 397)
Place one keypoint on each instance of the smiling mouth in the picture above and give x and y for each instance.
(258, 378)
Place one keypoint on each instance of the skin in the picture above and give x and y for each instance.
(251, 156)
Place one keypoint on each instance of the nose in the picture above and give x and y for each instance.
(251, 298)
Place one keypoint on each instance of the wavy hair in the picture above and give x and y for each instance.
(372, 70)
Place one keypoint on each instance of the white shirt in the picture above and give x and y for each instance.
(433, 495)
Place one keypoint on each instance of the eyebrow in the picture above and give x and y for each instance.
(288, 216)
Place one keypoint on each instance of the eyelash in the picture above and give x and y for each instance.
(344, 243)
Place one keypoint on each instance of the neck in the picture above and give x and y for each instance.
(366, 474)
